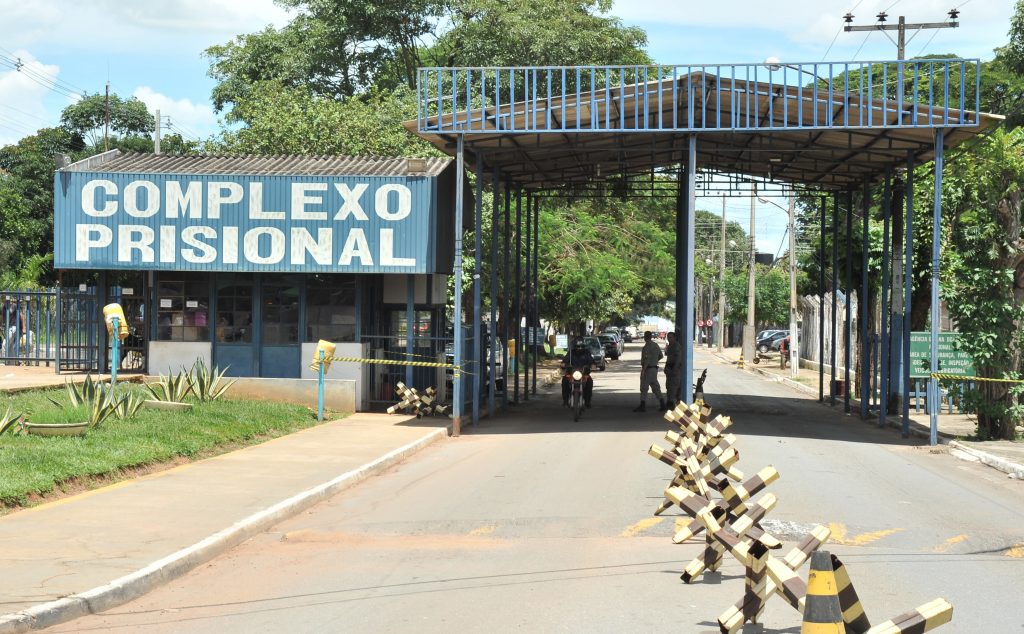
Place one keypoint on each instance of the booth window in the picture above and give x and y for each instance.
(330, 308)
(234, 308)
(183, 305)
(280, 317)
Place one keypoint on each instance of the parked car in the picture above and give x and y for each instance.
(764, 333)
(627, 337)
(597, 351)
(611, 345)
(619, 343)
(764, 344)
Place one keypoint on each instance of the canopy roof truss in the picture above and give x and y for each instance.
(547, 127)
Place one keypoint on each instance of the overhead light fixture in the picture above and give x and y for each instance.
(774, 159)
(773, 63)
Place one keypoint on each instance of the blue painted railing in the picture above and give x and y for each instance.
(926, 93)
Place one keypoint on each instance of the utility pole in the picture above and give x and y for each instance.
(156, 140)
(748, 329)
(794, 316)
(720, 339)
(106, 117)
(901, 28)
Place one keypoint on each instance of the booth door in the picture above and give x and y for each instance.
(280, 351)
(235, 346)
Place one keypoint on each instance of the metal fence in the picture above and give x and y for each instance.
(50, 327)
(766, 96)
(29, 327)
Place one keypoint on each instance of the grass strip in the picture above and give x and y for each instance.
(32, 466)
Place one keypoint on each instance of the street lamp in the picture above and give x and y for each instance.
(773, 63)
(794, 347)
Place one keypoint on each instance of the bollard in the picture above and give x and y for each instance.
(115, 353)
(117, 329)
(822, 614)
(739, 364)
(320, 389)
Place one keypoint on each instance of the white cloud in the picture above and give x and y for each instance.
(190, 118)
(22, 110)
(119, 26)
(804, 26)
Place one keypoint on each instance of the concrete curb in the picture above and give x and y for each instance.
(136, 584)
(1001, 464)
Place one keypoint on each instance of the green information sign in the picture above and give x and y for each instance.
(951, 360)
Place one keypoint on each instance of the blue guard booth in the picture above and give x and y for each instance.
(247, 262)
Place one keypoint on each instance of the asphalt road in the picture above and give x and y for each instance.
(533, 523)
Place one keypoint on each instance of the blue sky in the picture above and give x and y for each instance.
(152, 49)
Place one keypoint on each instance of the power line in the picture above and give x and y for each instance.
(862, 45)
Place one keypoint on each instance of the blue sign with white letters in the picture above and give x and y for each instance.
(340, 224)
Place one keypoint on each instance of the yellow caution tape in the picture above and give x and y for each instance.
(960, 377)
(456, 370)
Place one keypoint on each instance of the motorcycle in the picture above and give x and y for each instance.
(577, 378)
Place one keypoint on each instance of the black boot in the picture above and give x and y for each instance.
(641, 408)
(661, 406)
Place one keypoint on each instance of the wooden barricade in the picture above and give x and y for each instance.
(722, 504)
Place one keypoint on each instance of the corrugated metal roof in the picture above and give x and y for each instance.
(137, 163)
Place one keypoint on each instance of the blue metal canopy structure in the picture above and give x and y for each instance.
(831, 127)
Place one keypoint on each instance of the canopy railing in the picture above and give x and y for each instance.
(924, 93)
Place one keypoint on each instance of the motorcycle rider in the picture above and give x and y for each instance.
(577, 358)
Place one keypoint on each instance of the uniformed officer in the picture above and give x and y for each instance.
(649, 357)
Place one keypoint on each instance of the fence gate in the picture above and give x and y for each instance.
(79, 346)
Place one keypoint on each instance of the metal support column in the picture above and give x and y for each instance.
(517, 313)
(835, 292)
(821, 304)
(883, 386)
(536, 278)
(478, 247)
(493, 325)
(506, 304)
(848, 339)
(908, 288)
(681, 288)
(410, 325)
(689, 239)
(865, 340)
(527, 278)
(933, 383)
(457, 318)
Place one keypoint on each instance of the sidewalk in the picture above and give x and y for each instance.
(93, 551)
(19, 378)
(954, 429)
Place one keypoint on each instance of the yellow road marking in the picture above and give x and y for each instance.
(681, 523)
(944, 546)
(483, 530)
(641, 526)
(839, 535)
(1017, 552)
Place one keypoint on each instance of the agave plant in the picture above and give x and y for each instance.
(206, 384)
(172, 388)
(103, 406)
(82, 394)
(96, 396)
(9, 421)
(127, 405)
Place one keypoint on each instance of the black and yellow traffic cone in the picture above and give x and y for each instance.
(822, 614)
